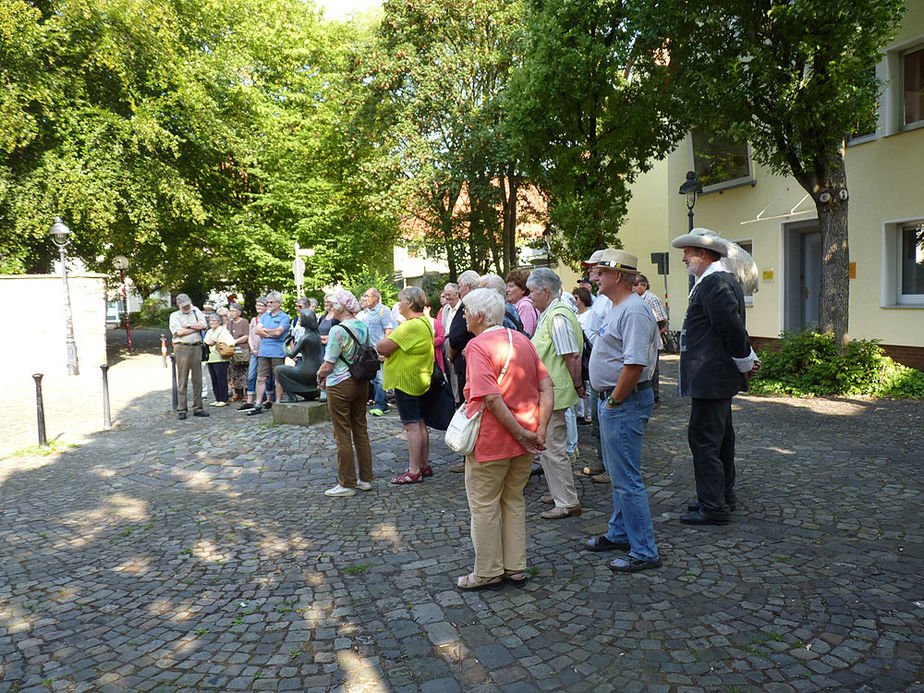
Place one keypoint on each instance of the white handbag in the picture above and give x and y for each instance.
(463, 430)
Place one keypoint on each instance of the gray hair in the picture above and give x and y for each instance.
(275, 295)
(301, 300)
(486, 304)
(415, 296)
(214, 316)
(496, 282)
(544, 278)
(182, 300)
(451, 286)
(374, 292)
(469, 278)
(235, 306)
(262, 300)
(313, 303)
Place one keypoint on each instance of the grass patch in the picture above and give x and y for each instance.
(356, 569)
(51, 448)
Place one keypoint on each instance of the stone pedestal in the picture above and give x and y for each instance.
(301, 413)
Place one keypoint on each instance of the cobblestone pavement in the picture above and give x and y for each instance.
(167, 555)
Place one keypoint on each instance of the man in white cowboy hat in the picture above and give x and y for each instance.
(621, 363)
(716, 360)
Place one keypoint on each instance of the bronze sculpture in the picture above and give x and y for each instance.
(301, 380)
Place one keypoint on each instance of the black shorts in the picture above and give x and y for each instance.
(408, 407)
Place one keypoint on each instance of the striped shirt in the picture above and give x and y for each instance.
(562, 334)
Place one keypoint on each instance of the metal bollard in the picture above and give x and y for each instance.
(40, 409)
(163, 349)
(107, 419)
(173, 393)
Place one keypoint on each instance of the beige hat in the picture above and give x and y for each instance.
(182, 300)
(618, 260)
(593, 259)
(702, 238)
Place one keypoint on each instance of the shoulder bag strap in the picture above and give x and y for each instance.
(355, 341)
(509, 354)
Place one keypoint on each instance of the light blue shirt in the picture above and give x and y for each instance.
(378, 320)
(272, 346)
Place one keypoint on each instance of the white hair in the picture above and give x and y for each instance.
(544, 278)
(487, 304)
(496, 282)
(469, 278)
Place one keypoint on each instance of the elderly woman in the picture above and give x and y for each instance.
(505, 379)
(518, 295)
(346, 397)
(218, 364)
(408, 352)
(240, 331)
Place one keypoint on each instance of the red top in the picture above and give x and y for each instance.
(485, 356)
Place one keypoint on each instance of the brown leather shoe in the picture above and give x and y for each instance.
(561, 513)
(547, 500)
(601, 478)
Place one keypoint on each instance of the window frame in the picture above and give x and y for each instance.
(902, 54)
(892, 296)
(748, 179)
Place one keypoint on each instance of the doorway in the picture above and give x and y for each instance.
(802, 295)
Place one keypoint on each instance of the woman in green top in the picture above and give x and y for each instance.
(408, 367)
(218, 364)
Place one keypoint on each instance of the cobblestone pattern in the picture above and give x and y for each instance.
(198, 555)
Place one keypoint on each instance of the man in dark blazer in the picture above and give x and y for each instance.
(716, 360)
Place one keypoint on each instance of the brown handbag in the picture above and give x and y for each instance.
(226, 351)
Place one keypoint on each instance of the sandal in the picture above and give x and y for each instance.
(518, 578)
(474, 582)
(408, 478)
(427, 471)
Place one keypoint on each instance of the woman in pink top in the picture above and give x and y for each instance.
(518, 295)
(505, 376)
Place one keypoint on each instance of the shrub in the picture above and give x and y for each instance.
(810, 364)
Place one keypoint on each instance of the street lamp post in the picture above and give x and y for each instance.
(60, 235)
(121, 263)
(690, 189)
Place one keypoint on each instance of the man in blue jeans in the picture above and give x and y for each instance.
(623, 358)
(380, 324)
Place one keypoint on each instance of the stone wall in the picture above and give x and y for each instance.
(32, 313)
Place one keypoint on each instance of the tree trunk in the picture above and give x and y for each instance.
(835, 265)
(509, 229)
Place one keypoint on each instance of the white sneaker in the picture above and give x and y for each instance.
(219, 404)
(364, 485)
(339, 491)
(213, 404)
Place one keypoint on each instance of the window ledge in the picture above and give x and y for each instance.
(894, 306)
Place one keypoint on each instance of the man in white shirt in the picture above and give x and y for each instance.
(186, 325)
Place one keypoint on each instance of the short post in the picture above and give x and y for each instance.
(107, 418)
(173, 392)
(40, 409)
(163, 349)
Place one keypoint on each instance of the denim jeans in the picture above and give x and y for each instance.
(571, 423)
(252, 378)
(621, 431)
(381, 401)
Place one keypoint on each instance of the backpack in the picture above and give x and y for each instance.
(585, 359)
(365, 359)
(514, 318)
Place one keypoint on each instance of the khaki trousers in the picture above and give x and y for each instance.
(556, 464)
(346, 403)
(495, 500)
(188, 364)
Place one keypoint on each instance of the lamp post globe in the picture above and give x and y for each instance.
(690, 189)
(60, 234)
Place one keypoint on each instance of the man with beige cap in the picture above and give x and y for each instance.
(716, 360)
(621, 363)
(186, 325)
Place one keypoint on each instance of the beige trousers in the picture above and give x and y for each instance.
(556, 464)
(495, 500)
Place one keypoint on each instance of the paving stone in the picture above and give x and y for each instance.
(127, 560)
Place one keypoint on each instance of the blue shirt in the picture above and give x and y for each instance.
(378, 320)
(271, 347)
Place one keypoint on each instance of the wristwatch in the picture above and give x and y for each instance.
(612, 402)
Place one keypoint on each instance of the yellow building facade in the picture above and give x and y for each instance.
(772, 217)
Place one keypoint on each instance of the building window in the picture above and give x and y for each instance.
(913, 86)
(412, 252)
(911, 264)
(719, 163)
(747, 245)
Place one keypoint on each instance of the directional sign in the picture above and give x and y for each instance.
(298, 269)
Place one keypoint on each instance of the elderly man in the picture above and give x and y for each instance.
(621, 363)
(378, 321)
(642, 287)
(716, 360)
(447, 313)
(559, 344)
(272, 328)
(186, 325)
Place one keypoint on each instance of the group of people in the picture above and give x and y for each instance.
(513, 351)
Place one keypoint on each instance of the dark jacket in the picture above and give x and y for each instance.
(459, 337)
(713, 333)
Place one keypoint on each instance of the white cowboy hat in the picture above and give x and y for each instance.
(593, 259)
(702, 238)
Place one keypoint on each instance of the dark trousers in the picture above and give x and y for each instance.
(346, 403)
(188, 366)
(461, 378)
(218, 372)
(656, 379)
(712, 442)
